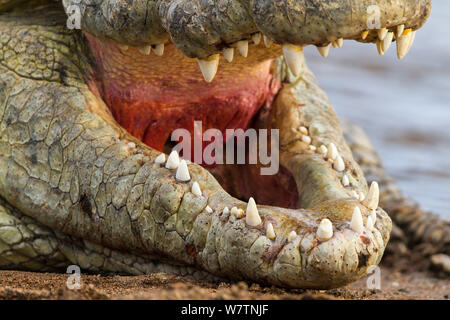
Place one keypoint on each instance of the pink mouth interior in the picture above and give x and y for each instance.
(151, 96)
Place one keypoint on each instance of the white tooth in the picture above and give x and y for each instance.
(364, 34)
(252, 216)
(325, 230)
(339, 164)
(373, 196)
(234, 211)
(340, 42)
(332, 151)
(294, 58)
(400, 30)
(145, 50)
(369, 223)
(270, 233)
(159, 49)
(208, 209)
(242, 47)
(373, 214)
(267, 42)
(306, 139)
(403, 45)
(196, 189)
(323, 150)
(387, 41)
(161, 158)
(256, 38)
(382, 33)
(411, 41)
(225, 210)
(209, 67)
(312, 148)
(345, 180)
(123, 47)
(380, 47)
(361, 196)
(228, 54)
(355, 194)
(303, 130)
(324, 51)
(173, 161)
(183, 172)
(357, 224)
(292, 235)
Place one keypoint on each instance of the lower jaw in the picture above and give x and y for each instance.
(151, 96)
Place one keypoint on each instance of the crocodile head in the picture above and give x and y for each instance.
(138, 71)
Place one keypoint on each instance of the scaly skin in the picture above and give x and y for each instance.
(75, 187)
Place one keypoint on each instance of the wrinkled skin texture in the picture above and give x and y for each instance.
(77, 188)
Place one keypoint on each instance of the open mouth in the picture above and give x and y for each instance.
(156, 67)
(317, 223)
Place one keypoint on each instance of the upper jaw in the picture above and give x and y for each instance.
(200, 29)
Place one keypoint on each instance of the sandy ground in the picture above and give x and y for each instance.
(395, 284)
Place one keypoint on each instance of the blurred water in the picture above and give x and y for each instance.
(404, 106)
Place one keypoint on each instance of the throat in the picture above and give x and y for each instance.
(151, 96)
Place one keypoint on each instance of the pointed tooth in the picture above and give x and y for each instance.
(267, 42)
(228, 54)
(256, 38)
(161, 158)
(294, 58)
(292, 235)
(323, 150)
(387, 41)
(242, 47)
(340, 42)
(159, 49)
(380, 47)
(339, 164)
(183, 172)
(332, 151)
(411, 41)
(270, 233)
(334, 44)
(364, 34)
(306, 139)
(252, 215)
(145, 50)
(208, 209)
(403, 44)
(325, 230)
(373, 196)
(196, 189)
(238, 213)
(373, 214)
(382, 33)
(400, 30)
(355, 194)
(356, 224)
(324, 51)
(345, 180)
(123, 47)
(173, 161)
(303, 130)
(209, 67)
(361, 196)
(369, 223)
(225, 210)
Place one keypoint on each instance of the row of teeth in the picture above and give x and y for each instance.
(252, 218)
(293, 53)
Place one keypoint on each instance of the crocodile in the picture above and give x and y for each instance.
(91, 92)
